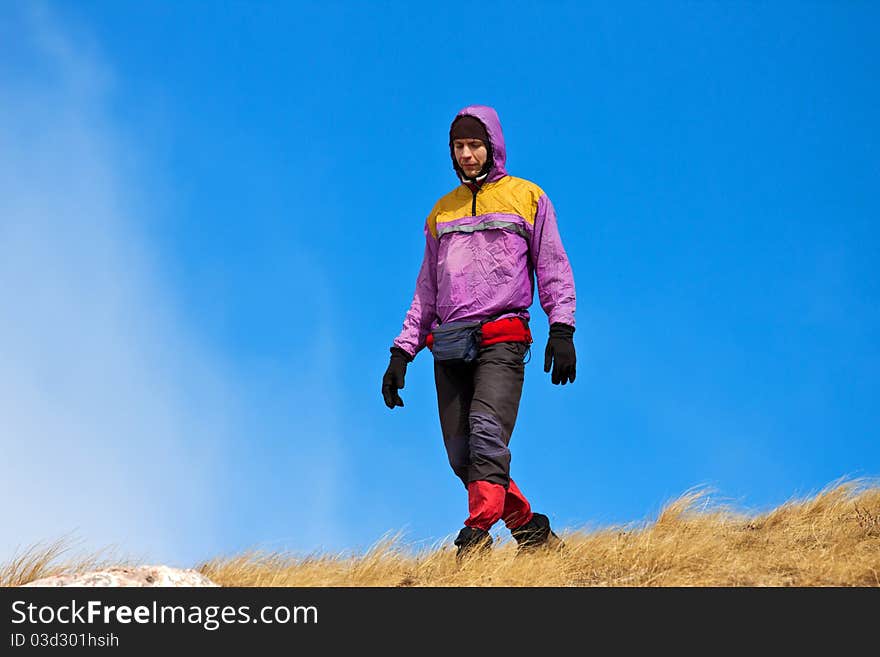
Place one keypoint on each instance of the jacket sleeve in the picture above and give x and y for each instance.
(555, 278)
(422, 310)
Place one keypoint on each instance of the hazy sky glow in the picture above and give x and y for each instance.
(211, 224)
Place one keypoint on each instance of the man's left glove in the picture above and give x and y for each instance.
(394, 377)
(560, 349)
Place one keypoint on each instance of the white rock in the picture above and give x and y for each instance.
(134, 576)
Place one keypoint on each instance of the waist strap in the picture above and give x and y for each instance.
(508, 329)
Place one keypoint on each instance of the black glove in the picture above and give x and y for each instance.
(560, 349)
(394, 376)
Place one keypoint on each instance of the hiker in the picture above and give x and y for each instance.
(485, 243)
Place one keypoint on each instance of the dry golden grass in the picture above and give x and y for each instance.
(831, 539)
(43, 560)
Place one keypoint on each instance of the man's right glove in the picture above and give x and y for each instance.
(394, 376)
(560, 349)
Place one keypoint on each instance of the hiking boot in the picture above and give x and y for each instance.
(536, 533)
(471, 540)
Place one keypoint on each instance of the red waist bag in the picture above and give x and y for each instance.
(507, 329)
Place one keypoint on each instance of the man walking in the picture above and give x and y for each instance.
(486, 242)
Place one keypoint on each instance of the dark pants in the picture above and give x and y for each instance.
(478, 404)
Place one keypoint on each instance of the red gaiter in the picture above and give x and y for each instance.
(489, 502)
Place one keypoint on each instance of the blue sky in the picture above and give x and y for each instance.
(211, 223)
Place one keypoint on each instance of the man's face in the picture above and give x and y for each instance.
(471, 155)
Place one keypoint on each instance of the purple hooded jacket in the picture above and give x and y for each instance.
(484, 247)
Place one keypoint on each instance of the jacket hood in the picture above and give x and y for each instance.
(489, 118)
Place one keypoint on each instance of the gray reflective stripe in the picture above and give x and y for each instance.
(486, 225)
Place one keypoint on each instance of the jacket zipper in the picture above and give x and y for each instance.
(474, 204)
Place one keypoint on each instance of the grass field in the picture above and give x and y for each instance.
(830, 539)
